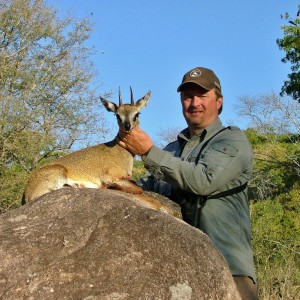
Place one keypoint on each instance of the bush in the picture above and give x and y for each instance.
(276, 243)
(138, 170)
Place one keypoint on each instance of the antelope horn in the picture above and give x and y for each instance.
(120, 97)
(131, 97)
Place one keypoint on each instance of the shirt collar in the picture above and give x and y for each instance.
(209, 131)
(213, 128)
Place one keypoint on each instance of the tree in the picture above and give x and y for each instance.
(48, 97)
(166, 136)
(290, 43)
(275, 123)
(270, 113)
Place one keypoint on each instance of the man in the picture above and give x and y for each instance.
(206, 171)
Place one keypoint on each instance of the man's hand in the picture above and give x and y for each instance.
(137, 141)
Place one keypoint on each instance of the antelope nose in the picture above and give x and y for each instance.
(127, 126)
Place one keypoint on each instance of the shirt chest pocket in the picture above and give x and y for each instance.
(225, 149)
(216, 150)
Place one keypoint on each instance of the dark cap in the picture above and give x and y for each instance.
(203, 77)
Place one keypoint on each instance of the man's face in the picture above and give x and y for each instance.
(200, 107)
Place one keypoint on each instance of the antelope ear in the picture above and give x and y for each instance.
(141, 103)
(110, 106)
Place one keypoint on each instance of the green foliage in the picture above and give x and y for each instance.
(138, 170)
(12, 185)
(276, 242)
(290, 43)
(254, 138)
(276, 164)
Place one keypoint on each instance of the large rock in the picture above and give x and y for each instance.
(101, 244)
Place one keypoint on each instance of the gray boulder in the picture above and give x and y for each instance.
(103, 244)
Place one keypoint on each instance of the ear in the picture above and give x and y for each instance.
(141, 103)
(219, 102)
(110, 106)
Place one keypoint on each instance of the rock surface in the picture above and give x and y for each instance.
(101, 244)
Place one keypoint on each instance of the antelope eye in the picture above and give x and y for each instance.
(118, 118)
(136, 116)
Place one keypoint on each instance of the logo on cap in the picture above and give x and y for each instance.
(195, 73)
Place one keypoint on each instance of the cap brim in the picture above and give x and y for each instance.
(207, 87)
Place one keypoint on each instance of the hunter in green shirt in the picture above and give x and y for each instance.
(206, 171)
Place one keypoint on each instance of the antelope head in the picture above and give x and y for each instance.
(127, 114)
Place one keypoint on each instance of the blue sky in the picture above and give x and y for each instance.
(151, 44)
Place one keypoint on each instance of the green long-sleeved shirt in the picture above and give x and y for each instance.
(224, 163)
